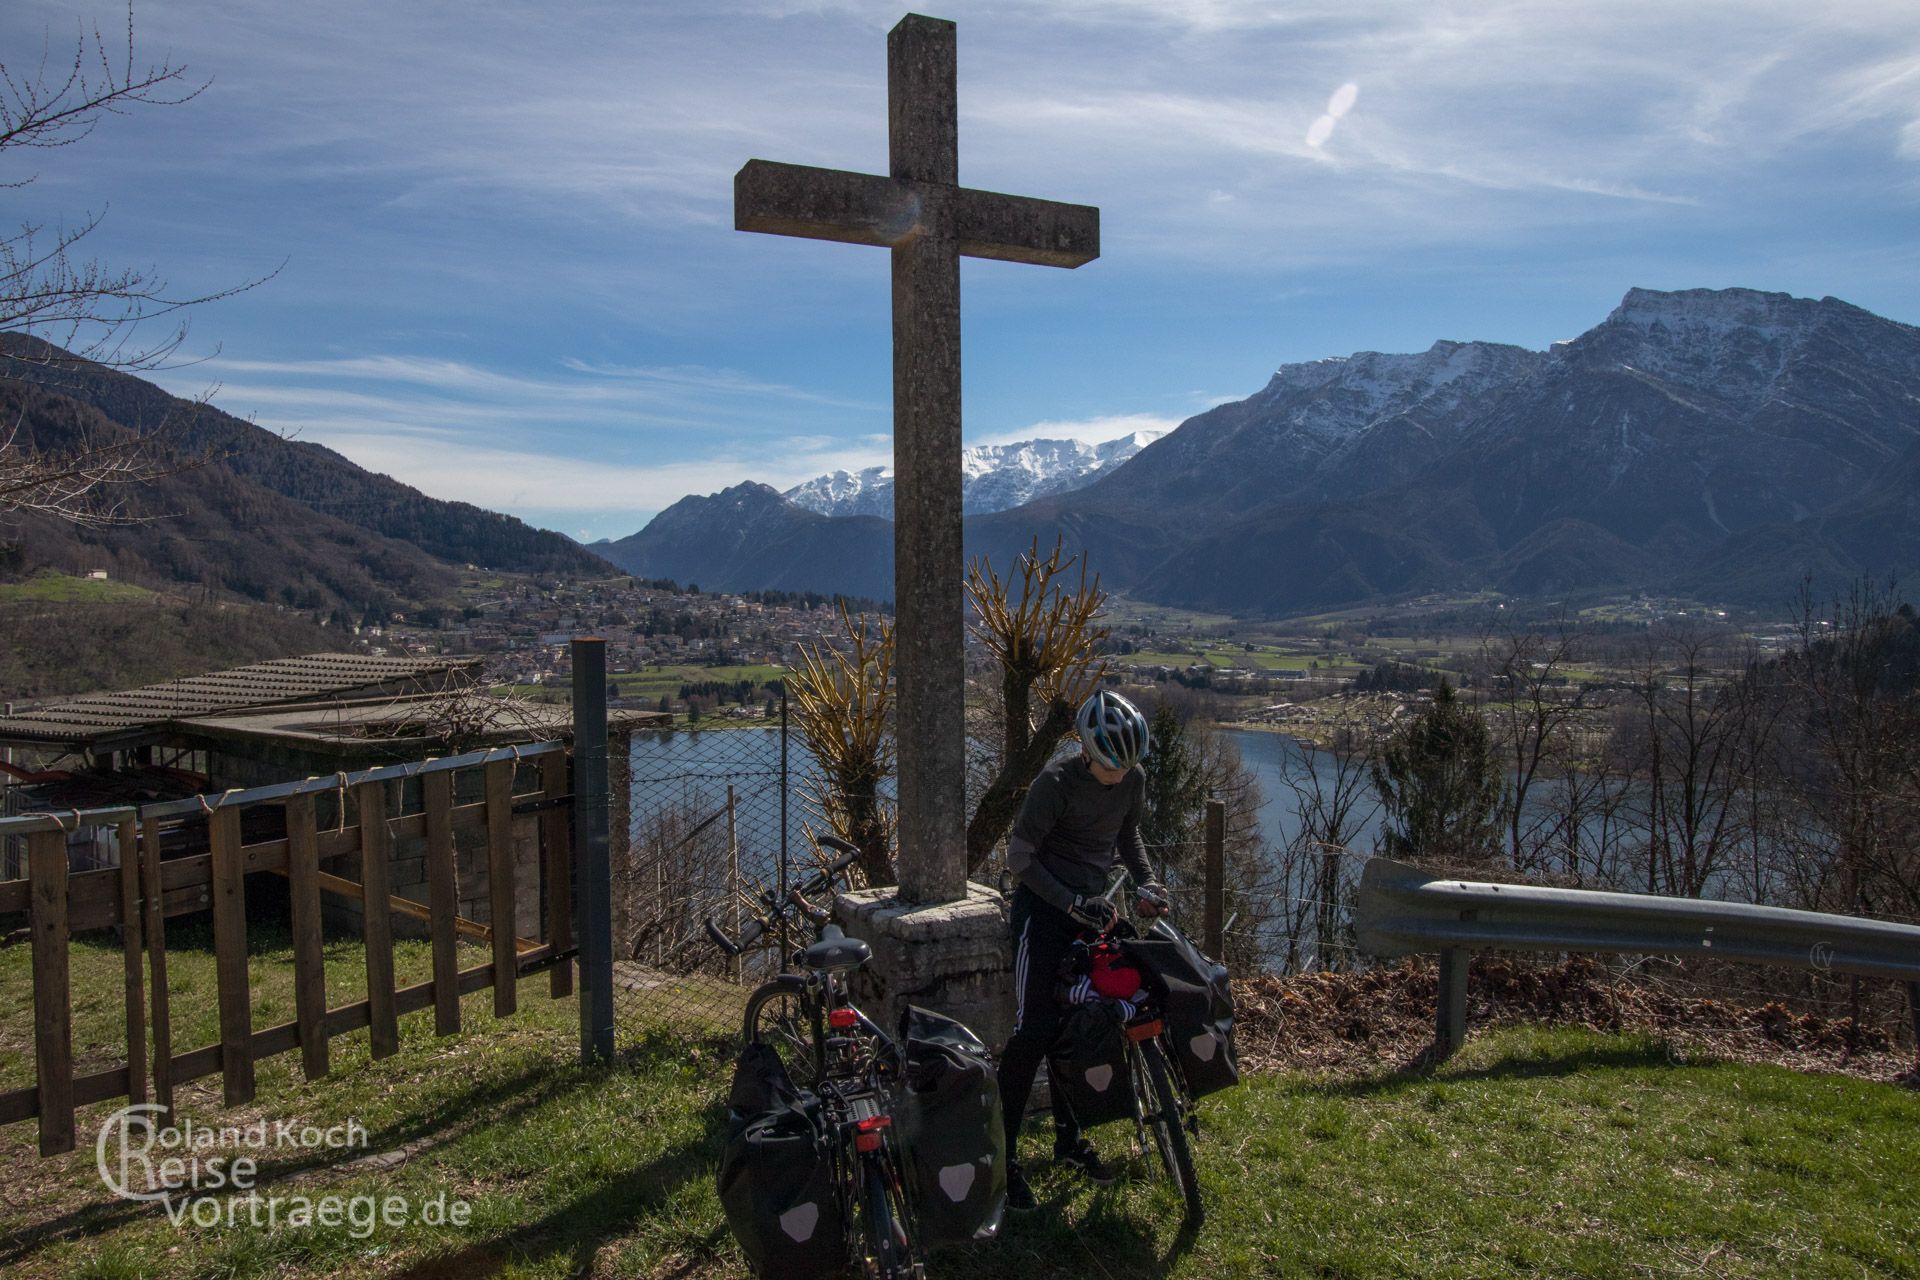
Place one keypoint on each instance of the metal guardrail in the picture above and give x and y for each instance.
(1403, 910)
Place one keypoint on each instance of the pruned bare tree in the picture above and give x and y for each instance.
(841, 699)
(1039, 625)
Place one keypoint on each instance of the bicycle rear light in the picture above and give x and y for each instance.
(1145, 1030)
(866, 1133)
(841, 1019)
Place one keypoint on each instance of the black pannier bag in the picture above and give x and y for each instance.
(1088, 1066)
(776, 1173)
(1197, 1001)
(948, 1120)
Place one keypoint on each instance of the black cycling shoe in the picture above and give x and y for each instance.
(1083, 1157)
(1019, 1194)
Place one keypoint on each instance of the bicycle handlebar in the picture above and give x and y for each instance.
(774, 908)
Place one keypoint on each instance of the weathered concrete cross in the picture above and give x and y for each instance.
(928, 220)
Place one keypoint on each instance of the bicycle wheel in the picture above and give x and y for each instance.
(782, 1017)
(1162, 1113)
(887, 1227)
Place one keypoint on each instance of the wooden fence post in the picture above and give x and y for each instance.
(1216, 882)
(1913, 1008)
(376, 916)
(501, 911)
(156, 931)
(309, 961)
(443, 897)
(130, 943)
(556, 841)
(230, 957)
(52, 999)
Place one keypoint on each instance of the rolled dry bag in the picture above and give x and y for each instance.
(776, 1173)
(1197, 999)
(1088, 1066)
(947, 1116)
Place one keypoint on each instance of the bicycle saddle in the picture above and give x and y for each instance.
(836, 953)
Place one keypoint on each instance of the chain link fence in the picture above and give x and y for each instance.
(716, 818)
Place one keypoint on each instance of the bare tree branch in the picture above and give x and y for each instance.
(88, 483)
(60, 308)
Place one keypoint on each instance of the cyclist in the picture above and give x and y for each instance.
(1081, 813)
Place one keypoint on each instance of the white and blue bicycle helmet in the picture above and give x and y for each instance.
(1113, 731)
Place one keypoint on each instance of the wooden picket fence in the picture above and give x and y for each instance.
(144, 891)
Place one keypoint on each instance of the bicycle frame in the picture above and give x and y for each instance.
(1163, 1115)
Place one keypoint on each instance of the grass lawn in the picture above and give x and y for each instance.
(650, 683)
(59, 588)
(1537, 1152)
(1164, 658)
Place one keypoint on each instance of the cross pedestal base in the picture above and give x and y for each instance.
(954, 958)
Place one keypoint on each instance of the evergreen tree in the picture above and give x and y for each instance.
(1440, 785)
(1176, 799)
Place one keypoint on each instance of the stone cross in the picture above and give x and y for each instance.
(922, 213)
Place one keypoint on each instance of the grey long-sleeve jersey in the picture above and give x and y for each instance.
(1072, 829)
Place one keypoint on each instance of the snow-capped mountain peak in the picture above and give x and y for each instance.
(1337, 399)
(996, 477)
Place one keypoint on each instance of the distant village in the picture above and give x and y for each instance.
(722, 655)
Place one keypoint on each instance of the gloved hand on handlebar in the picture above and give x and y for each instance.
(1094, 912)
(1153, 900)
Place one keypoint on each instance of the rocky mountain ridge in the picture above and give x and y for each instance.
(1717, 443)
(253, 516)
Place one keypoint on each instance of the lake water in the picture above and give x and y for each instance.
(1270, 757)
(694, 767)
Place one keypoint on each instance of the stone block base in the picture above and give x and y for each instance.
(954, 958)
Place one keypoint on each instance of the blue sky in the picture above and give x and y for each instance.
(511, 275)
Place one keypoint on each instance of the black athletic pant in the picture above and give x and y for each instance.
(1042, 935)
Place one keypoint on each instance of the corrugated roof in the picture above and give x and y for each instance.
(149, 709)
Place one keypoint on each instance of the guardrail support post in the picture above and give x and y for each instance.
(1216, 887)
(593, 872)
(1450, 1031)
(1913, 1008)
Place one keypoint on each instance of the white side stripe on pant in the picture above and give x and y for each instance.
(1020, 977)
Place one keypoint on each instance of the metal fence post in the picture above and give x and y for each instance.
(1451, 1031)
(1216, 887)
(786, 943)
(593, 869)
(733, 876)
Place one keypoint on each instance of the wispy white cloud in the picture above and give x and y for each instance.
(729, 381)
(587, 439)
(555, 181)
(509, 479)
